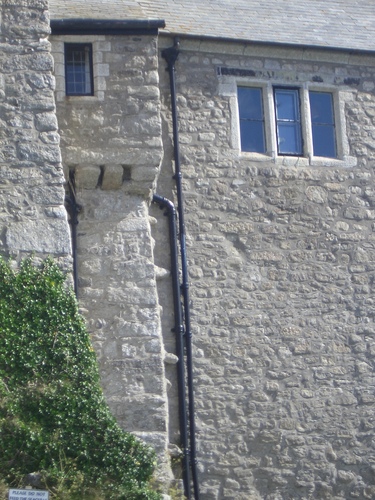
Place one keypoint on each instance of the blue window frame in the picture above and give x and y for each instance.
(323, 124)
(250, 104)
(78, 69)
(288, 121)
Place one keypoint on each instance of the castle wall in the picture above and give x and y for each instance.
(282, 265)
(32, 213)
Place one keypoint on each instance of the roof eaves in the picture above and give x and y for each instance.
(264, 43)
(106, 27)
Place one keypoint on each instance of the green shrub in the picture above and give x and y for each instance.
(53, 418)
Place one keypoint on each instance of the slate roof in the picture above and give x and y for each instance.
(345, 24)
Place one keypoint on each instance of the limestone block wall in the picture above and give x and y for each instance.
(114, 134)
(32, 213)
(112, 149)
(117, 293)
(282, 265)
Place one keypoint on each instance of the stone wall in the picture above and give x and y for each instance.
(116, 133)
(32, 214)
(112, 150)
(282, 265)
(281, 251)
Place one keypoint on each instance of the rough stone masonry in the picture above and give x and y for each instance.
(112, 149)
(281, 251)
(117, 274)
(32, 213)
(282, 267)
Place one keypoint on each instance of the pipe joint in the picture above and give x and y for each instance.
(178, 329)
(171, 54)
(177, 175)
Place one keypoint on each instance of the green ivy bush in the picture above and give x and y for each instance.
(53, 419)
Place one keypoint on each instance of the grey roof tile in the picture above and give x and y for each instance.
(346, 24)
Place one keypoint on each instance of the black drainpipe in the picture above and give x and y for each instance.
(73, 209)
(170, 55)
(179, 332)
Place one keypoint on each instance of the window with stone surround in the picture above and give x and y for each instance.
(99, 69)
(292, 121)
(78, 69)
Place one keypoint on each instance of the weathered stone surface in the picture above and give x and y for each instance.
(281, 262)
(113, 177)
(32, 217)
(118, 293)
(281, 259)
(87, 177)
(46, 122)
(35, 236)
(120, 126)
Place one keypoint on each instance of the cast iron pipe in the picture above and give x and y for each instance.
(73, 209)
(170, 55)
(179, 332)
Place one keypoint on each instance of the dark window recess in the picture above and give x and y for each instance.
(251, 119)
(78, 69)
(322, 124)
(288, 121)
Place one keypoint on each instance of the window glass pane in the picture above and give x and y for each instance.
(250, 103)
(251, 119)
(287, 106)
(288, 121)
(78, 69)
(321, 107)
(324, 143)
(252, 137)
(289, 138)
(323, 124)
